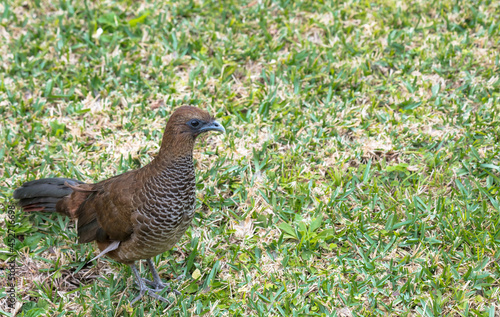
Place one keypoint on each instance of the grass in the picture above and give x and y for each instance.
(359, 175)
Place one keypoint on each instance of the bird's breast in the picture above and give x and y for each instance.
(168, 206)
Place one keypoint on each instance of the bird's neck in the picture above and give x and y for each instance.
(175, 158)
(175, 146)
(174, 155)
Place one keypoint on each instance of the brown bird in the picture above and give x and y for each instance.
(138, 214)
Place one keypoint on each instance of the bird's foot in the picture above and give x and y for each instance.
(143, 289)
(151, 292)
(159, 286)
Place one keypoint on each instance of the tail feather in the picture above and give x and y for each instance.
(29, 201)
(43, 194)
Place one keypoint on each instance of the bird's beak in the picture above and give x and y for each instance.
(213, 126)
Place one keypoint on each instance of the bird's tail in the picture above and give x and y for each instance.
(43, 194)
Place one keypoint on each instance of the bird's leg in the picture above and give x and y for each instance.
(157, 282)
(143, 288)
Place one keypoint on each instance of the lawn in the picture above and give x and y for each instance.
(359, 175)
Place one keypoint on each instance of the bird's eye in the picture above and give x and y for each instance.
(194, 123)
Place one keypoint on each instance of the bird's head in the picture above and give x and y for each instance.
(192, 121)
(184, 125)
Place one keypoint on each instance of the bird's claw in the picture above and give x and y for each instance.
(158, 287)
(152, 293)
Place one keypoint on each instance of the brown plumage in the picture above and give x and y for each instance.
(138, 214)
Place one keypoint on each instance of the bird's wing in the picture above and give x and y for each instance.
(70, 204)
(106, 213)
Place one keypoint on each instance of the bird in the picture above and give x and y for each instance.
(139, 214)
